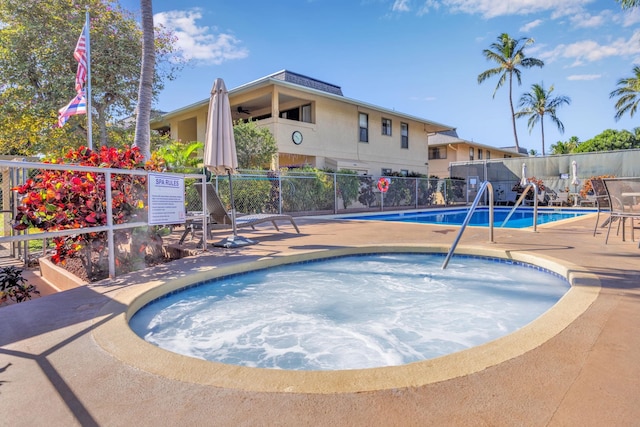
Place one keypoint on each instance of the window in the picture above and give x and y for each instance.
(299, 114)
(488, 156)
(479, 153)
(386, 172)
(471, 151)
(386, 127)
(404, 135)
(437, 153)
(306, 113)
(404, 172)
(292, 114)
(364, 127)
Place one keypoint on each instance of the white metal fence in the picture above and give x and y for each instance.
(299, 194)
(19, 244)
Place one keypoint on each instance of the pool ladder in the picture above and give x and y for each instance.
(485, 186)
(531, 185)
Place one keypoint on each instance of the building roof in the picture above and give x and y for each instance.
(303, 83)
(451, 137)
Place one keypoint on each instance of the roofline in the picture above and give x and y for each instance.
(263, 81)
(477, 144)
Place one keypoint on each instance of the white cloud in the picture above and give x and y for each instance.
(200, 43)
(584, 77)
(401, 6)
(531, 25)
(631, 18)
(427, 6)
(590, 51)
(586, 20)
(495, 8)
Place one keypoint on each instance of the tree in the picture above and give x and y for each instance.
(255, 146)
(610, 140)
(565, 147)
(37, 72)
(538, 103)
(628, 92)
(142, 138)
(509, 54)
(179, 156)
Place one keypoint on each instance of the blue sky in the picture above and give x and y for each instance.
(419, 57)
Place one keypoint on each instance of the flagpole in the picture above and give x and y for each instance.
(88, 94)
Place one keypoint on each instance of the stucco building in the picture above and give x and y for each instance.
(446, 148)
(315, 124)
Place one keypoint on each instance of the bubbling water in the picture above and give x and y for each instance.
(350, 312)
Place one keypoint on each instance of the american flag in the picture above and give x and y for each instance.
(80, 54)
(78, 105)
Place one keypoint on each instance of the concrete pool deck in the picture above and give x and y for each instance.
(55, 371)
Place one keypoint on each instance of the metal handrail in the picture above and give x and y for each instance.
(519, 201)
(486, 185)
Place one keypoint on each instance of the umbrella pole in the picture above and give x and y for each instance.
(233, 205)
(234, 241)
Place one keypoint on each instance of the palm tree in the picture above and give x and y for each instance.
(539, 102)
(627, 4)
(628, 91)
(508, 54)
(565, 147)
(142, 138)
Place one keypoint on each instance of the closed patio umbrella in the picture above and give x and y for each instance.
(220, 151)
(575, 181)
(523, 180)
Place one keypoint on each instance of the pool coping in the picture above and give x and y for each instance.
(112, 332)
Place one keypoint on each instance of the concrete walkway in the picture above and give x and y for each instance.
(53, 371)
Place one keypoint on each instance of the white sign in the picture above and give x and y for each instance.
(166, 199)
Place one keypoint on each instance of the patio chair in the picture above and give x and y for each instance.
(218, 217)
(543, 199)
(561, 199)
(602, 203)
(624, 197)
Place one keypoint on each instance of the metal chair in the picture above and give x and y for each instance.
(601, 200)
(624, 197)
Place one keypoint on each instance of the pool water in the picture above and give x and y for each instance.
(350, 312)
(521, 218)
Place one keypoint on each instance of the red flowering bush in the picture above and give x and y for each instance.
(63, 199)
(587, 187)
(519, 188)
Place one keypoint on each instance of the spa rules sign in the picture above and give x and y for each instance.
(166, 199)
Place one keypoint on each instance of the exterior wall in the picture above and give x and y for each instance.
(459, 152)
(335, 136)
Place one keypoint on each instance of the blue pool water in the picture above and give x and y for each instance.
(350, 312)
(521, 218)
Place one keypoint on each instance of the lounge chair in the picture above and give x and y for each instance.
(218, 217)
(542, 199)
(561, 199)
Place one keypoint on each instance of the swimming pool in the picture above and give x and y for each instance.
(351, 312)
(521, 218)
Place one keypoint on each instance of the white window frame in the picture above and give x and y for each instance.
(363, 127)
(404, 135)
